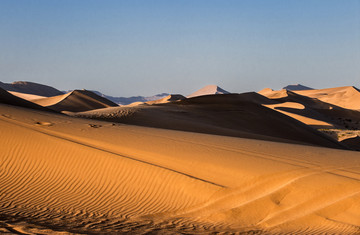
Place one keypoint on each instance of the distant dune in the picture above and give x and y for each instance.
(31, 88)
(297, 87)
(75, 101)
(208, 90)
(132, 99)
(167, 99)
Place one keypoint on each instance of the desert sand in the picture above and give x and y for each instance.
(63, 174)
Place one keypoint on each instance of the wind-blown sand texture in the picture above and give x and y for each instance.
(62, 174)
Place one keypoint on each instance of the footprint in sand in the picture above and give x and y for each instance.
(44, 123)
(7, 116)
(94, 125)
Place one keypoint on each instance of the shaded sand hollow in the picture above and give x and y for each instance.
(60, 174)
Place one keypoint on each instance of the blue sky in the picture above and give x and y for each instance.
(134, 47)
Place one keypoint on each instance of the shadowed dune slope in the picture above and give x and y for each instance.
(238, 115)
(297, 87)
(353, 142)
(7, 98)
(62, 174)
(75, 101)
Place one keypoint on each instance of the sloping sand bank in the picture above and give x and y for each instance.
(62, 174)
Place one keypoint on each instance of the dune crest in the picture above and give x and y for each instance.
(75, 101)
(31, 88)
(10, 99)
(25, 96)
(208, 90)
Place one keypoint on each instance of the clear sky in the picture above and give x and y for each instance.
(126, 48)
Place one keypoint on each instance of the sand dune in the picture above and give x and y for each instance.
(75, 101)
(8, 98)
(309, 108)
(30, 88)
(315, 113)
(208, 90)
(62, 174)
(346, 97)
(167, 99)
(297, 87)
(164, 100)
(238, 115)
(132, 99)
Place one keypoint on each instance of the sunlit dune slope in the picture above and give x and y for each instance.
(62, 174)
(314, 112)
(75, 101)
(239, 115)
(346, 97)
(25, 96)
